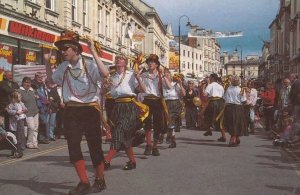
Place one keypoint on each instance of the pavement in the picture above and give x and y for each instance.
(199, 165)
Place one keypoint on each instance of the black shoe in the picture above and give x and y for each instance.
(81, 188)
(99, 185)
(129, 166)
(208, 133)
(106, 165)
(155, 152)
(172, 145)
(52, 139)
(16, 154)
(222, 139)
(148, 150)
(44, 141)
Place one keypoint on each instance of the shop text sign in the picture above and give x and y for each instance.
(6, 52)
(6, 57)
(28, 31)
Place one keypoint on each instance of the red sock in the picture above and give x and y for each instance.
(148, 137)
(81, 171)
(110, 154)
(100, 171)
(129, 152)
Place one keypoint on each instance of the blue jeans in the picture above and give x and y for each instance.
(51, 125)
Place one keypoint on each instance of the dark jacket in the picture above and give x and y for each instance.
(54, 99)
(295, 91)
(6, 89)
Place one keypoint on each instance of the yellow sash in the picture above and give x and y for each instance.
(144, 109)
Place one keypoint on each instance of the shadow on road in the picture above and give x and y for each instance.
(37, 186)
(291, 190)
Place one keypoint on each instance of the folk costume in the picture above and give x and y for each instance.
(215, 92)
(153, 99)
(82, 112)
(235, 120)
(125, 116)
(172, 97)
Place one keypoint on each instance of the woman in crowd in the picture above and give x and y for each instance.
(268, 101)
(234, 114)
(190, 108)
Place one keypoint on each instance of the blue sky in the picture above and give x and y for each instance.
(253, 17)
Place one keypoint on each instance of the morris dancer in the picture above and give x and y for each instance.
(173, 90)
(235, 120)
(82, 113)
(215, 92)
(125, 114)
(152, 98)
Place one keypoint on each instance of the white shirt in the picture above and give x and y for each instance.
(173, 92)
(252, 97)
(83, 89)
(214, 89)
(151, 83)
(233, 96)
(123, 87)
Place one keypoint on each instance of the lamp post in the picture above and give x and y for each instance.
(188, 24)
(242, 69)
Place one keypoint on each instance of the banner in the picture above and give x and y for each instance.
(6, 57)
(203, 33)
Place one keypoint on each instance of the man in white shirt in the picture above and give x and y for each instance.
(214, 91)
(153, 99)
(80, 92)
(173, 90)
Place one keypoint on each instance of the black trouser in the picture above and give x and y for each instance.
(59, 130)
(20, 135)
(79, 120)
(269, 117)
(155, 119)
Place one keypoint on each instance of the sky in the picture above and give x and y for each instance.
(253, 17)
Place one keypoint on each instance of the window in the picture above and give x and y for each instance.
(188, 65)
(107, 24)
(50, 4)
(74, 10)
(100, 22)
(183, 52)
(85, 13)
(188, 53)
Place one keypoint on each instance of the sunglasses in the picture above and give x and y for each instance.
(64, 48)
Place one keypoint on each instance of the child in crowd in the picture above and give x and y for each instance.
(285, 137)
(8, 141)
(16, 110)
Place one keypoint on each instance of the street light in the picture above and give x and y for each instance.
(187, 24)
(242, 70)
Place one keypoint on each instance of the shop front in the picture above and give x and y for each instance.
(22, 43)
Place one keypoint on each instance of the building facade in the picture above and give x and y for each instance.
(28, 28)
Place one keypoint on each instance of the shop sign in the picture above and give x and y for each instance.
(173, 61)
(28, 31)
(30, 57)
(6, 57)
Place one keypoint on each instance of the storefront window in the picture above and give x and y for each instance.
(30, 53)
(8, 52)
